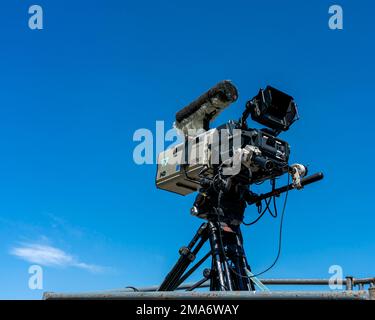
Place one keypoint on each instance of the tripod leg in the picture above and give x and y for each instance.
(171, 281)
(227, 271)
(193, 269)
(245, 282)
(221, 278)
(213, 283)
(234, 255)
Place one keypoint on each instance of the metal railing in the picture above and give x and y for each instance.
(349, 282)
(355, 289)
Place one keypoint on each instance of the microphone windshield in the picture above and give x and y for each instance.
(207, 107)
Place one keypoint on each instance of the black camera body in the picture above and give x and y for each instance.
(205, 152)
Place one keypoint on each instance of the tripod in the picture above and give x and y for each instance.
(229, 270)
(228, 260)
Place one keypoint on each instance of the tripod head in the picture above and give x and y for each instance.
(225, 199)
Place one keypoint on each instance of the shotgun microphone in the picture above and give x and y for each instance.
(196, 116)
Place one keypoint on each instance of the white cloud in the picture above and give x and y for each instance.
(46, 255)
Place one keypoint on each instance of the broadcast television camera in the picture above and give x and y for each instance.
(257, 155)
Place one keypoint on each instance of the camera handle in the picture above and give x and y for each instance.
(304, 182)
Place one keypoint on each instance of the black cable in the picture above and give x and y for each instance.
(259, 183)
(187, 177)
(273, 215)
(133, 288)
(280, 235)
(260, 214)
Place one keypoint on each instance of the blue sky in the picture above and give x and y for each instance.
(73, 94)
